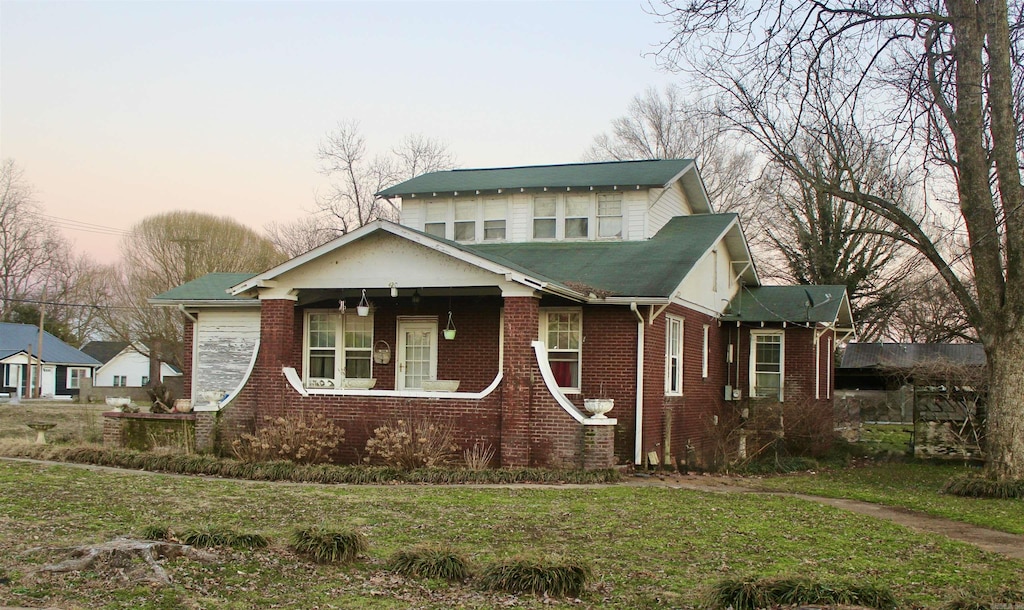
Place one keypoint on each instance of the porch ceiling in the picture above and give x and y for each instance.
(307, 296)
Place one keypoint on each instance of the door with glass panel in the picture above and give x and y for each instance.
(417, 353)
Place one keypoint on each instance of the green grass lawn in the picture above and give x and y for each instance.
(74, 422)
(911, 485)
(650, 547)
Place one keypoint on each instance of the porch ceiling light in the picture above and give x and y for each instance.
(416, 296)
(394, 289)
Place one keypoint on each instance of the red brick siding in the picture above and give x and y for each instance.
(520, 329)
(609, 369)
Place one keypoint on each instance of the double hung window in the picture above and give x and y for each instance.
(337, 346)
(577, 216)
(75, 375)
(674, 356)
(562, 331)
(120, 381)
(609, 215)
(766, 364)
(545, 217)
(436, 218)
(465, 219)
(495, 211)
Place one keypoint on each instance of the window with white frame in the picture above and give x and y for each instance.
(609, 215)
(577, 216)
(465, 219)
(705, 352)
(562, 333)
(120, 381)
(75, 376)
(674, 356)
(436, 221)
(545, 217)
(145, 380)
(495, 213)
(766, 364)
(337, 346)
(12, 375)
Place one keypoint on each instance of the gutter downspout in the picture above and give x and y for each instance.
(638, 441)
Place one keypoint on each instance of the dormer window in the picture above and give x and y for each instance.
(577, 216)
(465, 219)
(609, 215)
(436, 218)
(495, 212)
(545, 216)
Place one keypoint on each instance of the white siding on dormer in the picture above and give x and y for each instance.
(699, 288)
(664, 205)
(634, 209)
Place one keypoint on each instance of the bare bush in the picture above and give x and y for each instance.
(479, 456)
(296, 438)
(413, 443)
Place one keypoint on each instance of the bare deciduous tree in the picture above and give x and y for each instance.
(29, 245)
(356, 176)
(666, 126)
(942, 82)
(302, 235)
(167, 250)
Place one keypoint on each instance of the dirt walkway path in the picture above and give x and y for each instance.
(1006, 544)
(1003, 543)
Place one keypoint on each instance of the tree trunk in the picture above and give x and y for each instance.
(1004, 436)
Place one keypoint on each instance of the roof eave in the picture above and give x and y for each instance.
(205, 303)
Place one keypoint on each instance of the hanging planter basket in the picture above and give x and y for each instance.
(449, 331)
(381, 352)
(363, 308)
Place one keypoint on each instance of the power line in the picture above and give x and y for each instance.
(59, 304)
(78, 225)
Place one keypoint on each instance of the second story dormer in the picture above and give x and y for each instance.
(607, 201)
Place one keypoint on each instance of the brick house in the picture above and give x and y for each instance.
(504, 300)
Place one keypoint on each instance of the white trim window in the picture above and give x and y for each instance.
(436, 218)
(561, 330)
(545, 217)
(75, 376)
(465, 219)
(609, 215)
(495, 215)
(12, 375)
(120, 381)
(674, 356)
(577, 216)
(336, 346)
(767, 364)
(705, 352)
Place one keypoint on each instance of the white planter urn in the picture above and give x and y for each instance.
(118, 402)
(598, 406)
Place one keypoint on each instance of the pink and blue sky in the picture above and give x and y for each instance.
(120, 110)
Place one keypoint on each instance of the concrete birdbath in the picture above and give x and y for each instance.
(40, 428)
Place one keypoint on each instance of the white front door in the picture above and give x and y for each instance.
(49, 380)
(417, 352)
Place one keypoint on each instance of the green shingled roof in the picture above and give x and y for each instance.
(210, 287)
(651, 268)
(787, 304)
(623, 174)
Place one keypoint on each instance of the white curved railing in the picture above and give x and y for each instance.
(296, 382)
(217, 406)
(549, 380)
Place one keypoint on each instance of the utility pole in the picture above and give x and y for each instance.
(39, 351)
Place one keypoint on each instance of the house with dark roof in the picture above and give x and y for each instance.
(518, 303)
(22, 358)
(124, 365)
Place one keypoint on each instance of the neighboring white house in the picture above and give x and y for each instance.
(123, 365)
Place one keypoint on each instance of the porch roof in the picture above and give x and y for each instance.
(824, 303)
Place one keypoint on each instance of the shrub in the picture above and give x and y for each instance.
(412, 443)
(981, 599)
(555, 578)
(753, 593)
(981, 487)
(325, 546)
(479, 456)
(295, 438)
(430, 562)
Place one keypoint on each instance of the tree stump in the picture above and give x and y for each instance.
(121, 553)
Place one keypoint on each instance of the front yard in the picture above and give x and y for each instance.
(648, 546)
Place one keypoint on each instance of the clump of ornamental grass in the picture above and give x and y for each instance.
(326, 546)
(156, 532)
(983, 599)
(752, 593)
(223, 537)
(983, 487)
(430, 562)
(554, 577)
